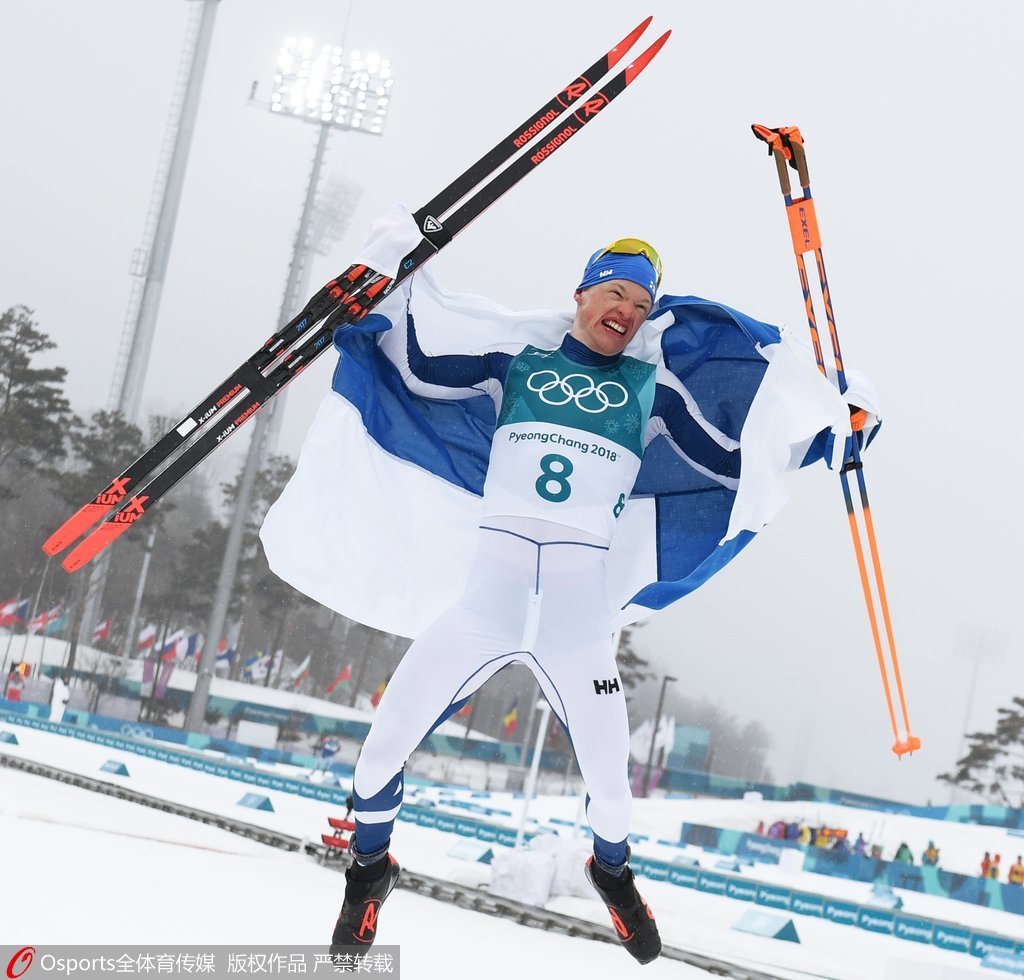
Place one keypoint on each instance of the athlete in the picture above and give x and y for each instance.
(572, 427)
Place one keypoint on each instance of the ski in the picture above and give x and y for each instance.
(786, 147)
(327, 300)
(344, 300)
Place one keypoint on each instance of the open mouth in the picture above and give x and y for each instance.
(613, 325)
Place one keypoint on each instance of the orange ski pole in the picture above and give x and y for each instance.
(785, 145)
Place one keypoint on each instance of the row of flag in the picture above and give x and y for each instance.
(181, 645)
(14, 612)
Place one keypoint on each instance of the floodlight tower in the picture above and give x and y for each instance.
(149, 264)
(331, 91)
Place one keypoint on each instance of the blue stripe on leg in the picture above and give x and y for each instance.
(373, 836)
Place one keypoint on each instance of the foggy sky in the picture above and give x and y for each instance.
(910, 112)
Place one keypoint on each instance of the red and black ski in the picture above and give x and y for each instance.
(343, 300)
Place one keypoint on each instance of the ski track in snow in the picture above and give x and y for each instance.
(94, 869)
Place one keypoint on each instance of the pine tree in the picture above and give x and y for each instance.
(993, 767)
(33, 410)
(631, 664)
(99, 448)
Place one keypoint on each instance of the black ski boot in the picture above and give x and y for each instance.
(366, 889)
(633, 920)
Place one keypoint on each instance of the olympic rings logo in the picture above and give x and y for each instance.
(578, 388)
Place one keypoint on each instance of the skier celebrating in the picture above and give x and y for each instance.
(563, 447)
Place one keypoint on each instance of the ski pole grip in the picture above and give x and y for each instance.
(780, 165)
(800, 159)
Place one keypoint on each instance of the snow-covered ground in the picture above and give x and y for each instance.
(90, 869)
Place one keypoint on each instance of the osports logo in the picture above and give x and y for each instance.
(578, 388)
(20, 962)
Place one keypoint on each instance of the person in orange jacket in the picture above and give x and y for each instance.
(1015, 876)
(993, 869)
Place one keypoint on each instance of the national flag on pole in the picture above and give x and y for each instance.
(173, 643)
(224, 654)
(466, 709)
(382, 436)
(57, 626)
(164, 678)
(192, 645)
(44, 619)
(379, 693)
(345, 674)
(510, 718)
(102, 630)
(297, 672)
(255, 667)
(146, 638)
(14, 611)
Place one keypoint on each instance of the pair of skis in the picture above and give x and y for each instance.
(786, 146)
(344, 300)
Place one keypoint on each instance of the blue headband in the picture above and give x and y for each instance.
(615, 265)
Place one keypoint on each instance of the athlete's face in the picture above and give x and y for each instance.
(609, 314)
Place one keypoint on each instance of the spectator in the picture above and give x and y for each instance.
(329, 747)
(792, 830)
(986, 863)
(59, 696)
(805, 836)
(1015, 876)
(15, 683)
(760, 828)
(931, 854)
(993, 869)
(904, 854)
(777, 831)
(860, 846)
(876, 850)
(841, 845)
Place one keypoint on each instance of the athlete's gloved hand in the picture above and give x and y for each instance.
(391, 237)
(862, 401)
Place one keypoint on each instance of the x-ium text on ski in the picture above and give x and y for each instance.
(234, 425)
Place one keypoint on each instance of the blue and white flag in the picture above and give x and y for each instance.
(379, 521)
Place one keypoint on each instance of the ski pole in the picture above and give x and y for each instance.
(785, 145)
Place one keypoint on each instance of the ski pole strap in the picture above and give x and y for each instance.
(786, 145)
(778, 150)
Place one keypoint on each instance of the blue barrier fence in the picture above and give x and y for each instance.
(676, 781)
(855, 867)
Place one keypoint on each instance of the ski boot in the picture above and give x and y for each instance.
(633, 920)
(367, 886)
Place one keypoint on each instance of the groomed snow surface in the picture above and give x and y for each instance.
(82, 868)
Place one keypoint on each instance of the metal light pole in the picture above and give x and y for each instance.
(975, 644)
(665, 681)
(325, 89)
(531, 779)
(149, 262)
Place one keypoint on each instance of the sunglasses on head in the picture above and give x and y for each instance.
(635, 246)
